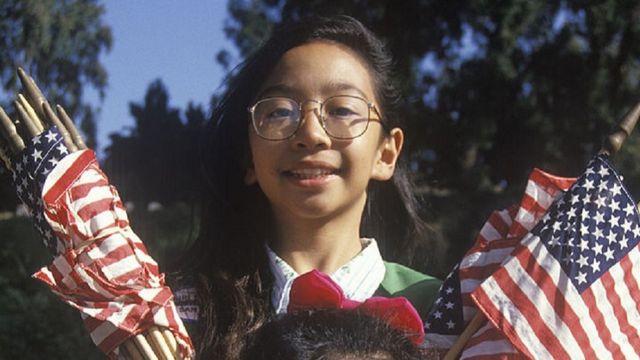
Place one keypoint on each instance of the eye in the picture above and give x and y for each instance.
(279, 113)
(341, 112)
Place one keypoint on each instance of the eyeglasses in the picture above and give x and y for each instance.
(342, 117)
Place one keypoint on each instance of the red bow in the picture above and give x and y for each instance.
(316, 290)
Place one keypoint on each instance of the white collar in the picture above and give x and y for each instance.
(359, 278)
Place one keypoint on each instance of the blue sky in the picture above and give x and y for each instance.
(176, 41)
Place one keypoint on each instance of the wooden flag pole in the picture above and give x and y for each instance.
(613, 142)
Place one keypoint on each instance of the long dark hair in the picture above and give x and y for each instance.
(227, 261)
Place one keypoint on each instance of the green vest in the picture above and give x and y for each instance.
(421, 290)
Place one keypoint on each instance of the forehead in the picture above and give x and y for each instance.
(319, 69)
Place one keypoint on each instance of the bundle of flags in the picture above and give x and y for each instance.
(557, 277)
(100, 266)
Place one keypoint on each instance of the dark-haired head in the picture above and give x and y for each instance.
(330, 335)
(228, 259)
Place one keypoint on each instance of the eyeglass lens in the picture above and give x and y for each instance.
(343, 117)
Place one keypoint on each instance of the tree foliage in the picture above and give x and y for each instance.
(161, 139)
(59, 44)
(493, 89)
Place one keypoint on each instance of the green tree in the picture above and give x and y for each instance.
(59, 44)
(161, 139)
(492, 90)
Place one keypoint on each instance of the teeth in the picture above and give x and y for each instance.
(310, 173)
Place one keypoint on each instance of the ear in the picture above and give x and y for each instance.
(388, 154)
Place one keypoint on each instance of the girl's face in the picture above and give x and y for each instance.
(310, 174)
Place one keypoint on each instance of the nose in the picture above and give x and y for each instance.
(311, 133)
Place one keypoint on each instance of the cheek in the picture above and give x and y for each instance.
(263, 159)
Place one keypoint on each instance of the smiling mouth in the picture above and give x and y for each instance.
(310, 173)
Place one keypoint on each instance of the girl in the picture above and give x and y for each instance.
(303, 172)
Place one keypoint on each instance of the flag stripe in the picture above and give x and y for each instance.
(563, 296)
(530, 307)
(632, 275)
(605, 301)
(494, 297)
(626, 308)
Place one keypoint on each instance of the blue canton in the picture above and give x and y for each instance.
(446, 316)
(30, 170)
(592, 226)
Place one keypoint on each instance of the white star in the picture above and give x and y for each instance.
(19, 167)
(615, 205)
(37, 155)
(600, 201)
(581, 277)
(614, 221)
(588, 185)
(36, 140)
(62, 149)
(603, 171)
(583, 261)
(609, 254)
(595, 266)
(556, 226)
(437, 314)
(571, 213)
(615, 190)
(598, 233)
(53, 162)
(584, 229)
(624, 243)
(585, 213)
(627, 225)
(602, 186)
(450, 324)
(629, 209)
(599, 218)
(611, 237)
(449, 290)
(449, 305)
(427, 325)
(575, 199)
(589, 171)
(555, 240)
(636, 231)
(597, 248)
(51, 136)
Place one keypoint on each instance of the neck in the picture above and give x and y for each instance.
(321, 244)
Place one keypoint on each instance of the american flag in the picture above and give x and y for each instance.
(454, 308)
(100, 266)
(30, 169)
(570, 290)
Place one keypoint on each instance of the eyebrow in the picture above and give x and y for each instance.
(331, 87)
